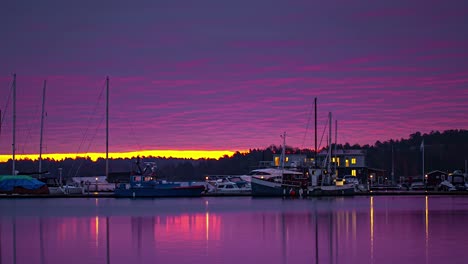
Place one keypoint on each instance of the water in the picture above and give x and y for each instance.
(382, 229)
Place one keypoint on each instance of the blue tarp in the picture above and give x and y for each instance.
(8, 183)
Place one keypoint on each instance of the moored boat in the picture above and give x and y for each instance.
(145, 184)
(21, 184)
(277, 182)
(227, 185)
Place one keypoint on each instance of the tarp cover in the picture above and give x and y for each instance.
(9, 182)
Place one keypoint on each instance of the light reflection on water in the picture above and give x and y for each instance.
(382, 229)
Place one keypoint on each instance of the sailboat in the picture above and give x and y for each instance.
(329, 186)
(55, 187)
(278, 181)
(144, 183)
(14, 183)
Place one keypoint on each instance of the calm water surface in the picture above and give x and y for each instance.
(383, 229)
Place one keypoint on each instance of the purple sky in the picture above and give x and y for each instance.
(231, 75)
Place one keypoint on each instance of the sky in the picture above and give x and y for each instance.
(227, 76)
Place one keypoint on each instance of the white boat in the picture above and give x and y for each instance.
(228, 186)
(94, 184)
(277, 182)
(72, 189)
(454, 182)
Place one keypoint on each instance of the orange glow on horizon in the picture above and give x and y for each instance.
(185, 154)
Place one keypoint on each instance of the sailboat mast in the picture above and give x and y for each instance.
(336, 143)
(107, 127)
(283, 150)
(13, 169)
(315, 152)
(393, 167)
(329, 141)
(42, 125)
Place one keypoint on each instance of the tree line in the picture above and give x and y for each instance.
(446, 151)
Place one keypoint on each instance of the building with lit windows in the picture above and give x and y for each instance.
(292, 160)
(347, 162)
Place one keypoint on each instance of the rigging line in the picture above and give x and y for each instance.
(307, 127)
(29, 129)
(2, 118)
(132, 131)
(89, 145)
(85, 134)
(323, 133)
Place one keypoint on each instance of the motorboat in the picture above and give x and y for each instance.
(227, 185)
(277, 182)
(144, 183)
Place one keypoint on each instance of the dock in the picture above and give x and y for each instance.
(111, 194)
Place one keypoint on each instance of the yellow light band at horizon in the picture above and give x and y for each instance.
(182, 154)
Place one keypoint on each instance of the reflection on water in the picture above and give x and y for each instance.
(385, 229)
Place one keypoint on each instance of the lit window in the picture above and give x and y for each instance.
(277, 161)
(338, 161)
(353, 172)
(287, 159)
(333, 159)
(353, 160)
(347, 162)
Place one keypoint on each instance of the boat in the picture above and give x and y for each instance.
(15, 183)
(56, 186)
(455, 182)
(277, 182)
(94, 184)
(330, 183)
(227, 185)
(144, 184)
(21, 184)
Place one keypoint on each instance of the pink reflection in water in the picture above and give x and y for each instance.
(386, 229)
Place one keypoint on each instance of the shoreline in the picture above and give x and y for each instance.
(112, 195)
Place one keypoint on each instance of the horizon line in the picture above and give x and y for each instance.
(94, 156)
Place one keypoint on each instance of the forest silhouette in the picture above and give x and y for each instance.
(446, 151)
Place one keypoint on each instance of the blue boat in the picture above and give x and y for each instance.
(146, 185)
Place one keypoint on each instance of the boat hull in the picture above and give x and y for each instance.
(173, 191)
(267, 188)
(332, 191)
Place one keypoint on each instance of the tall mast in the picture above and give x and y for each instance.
(422, 144)
(315, 152)
(329, 142)
(393, 167)
(13, 169)
(107, 127)
(336, 143)
(42, 125)
(283, 150)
